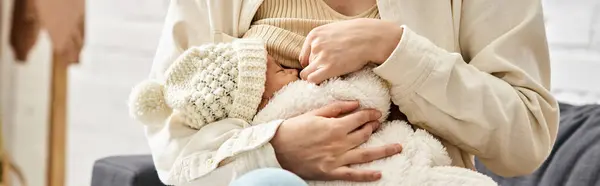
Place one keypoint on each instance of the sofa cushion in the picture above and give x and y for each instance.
(574, 160)
(135, 170)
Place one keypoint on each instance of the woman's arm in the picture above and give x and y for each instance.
(494, 100)
(191, 23)
(180, 32)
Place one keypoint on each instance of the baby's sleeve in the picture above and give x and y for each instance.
(183, 155)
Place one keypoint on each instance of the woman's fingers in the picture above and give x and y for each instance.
(307, 71)
(353, 121)
(320, 75)
(355, 175)
(366, 155)
(360, 136)
(305, 51)
(336, 109)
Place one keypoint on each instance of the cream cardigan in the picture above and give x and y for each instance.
(476, 74)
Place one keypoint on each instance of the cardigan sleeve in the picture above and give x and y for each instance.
(181, 154)
(492, 99)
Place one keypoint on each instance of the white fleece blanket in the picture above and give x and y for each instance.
(423, 160)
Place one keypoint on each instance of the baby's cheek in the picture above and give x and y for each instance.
(271, 86)
(280, 84)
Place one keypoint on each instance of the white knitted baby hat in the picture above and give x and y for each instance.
(205, 84)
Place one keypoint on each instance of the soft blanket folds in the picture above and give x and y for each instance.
(423, 160)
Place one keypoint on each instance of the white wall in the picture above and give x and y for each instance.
(573, 28)
(122, 36)
(24, 100)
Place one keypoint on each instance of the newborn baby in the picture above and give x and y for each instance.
(423, 160)
(239, 80)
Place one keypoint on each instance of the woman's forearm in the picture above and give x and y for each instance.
(496, 106)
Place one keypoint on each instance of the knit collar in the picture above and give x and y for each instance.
(250, 7)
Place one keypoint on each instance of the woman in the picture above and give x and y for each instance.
(475, 73)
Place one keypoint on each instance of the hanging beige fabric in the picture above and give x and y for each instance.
(24, 29)
(63, 19)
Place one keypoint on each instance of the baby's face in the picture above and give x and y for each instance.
(277, 77)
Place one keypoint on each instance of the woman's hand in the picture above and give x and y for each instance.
(343, 47)
(320, 145)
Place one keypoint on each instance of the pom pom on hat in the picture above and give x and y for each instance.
(147, 103)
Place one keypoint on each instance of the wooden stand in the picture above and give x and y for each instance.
(5, 171)
(58, 121)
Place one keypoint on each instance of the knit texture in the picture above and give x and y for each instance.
(206, 84)
(283, 25)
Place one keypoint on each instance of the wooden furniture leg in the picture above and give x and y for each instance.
(58, 121)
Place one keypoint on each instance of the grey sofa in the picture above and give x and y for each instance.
(133, 170)
(575, 159)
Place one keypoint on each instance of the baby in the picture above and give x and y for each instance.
(239, 80)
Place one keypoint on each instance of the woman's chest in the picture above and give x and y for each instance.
(437, 20)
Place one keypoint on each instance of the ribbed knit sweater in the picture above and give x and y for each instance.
(283, 25)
